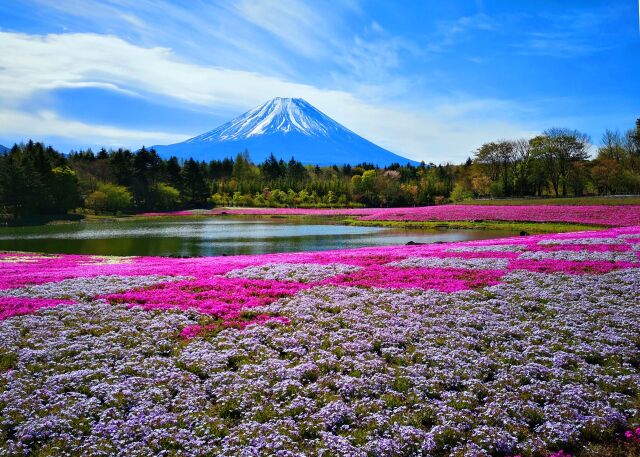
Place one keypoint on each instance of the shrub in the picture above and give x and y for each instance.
(109, 197)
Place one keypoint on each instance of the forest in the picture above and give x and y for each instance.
(37, 180)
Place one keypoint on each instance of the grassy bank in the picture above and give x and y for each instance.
(515, 227)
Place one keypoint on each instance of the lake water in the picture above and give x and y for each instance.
(214, 236)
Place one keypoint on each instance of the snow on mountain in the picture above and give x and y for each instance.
(286, 127)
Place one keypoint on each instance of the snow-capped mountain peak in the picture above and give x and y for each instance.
(285, 127)
(279, 115)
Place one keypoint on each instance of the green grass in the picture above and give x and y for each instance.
(567, 201)
(514, 227)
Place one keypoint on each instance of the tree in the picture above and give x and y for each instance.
(607, 175)
(498, 158)
(109, 197)
(121, 164)
(481, 185)
(523, 161)
(195, 190)
(96, 201)
(296, 171)
(64, 189)
(558, 149)
(174, 176)
(612, 146)
(272, 169)
(242, 165)
(459, 193)
(165, 196)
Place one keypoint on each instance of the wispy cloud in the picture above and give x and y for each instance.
(576, 33)
(373, 54)
(449, 33)
(32, 65)
(297, 25)
(23, 125)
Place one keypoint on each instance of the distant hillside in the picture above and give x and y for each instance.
(3, 149)
(285, 127)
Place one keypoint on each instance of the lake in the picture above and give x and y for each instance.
(215, 236)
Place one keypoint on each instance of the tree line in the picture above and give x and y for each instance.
(36, 179)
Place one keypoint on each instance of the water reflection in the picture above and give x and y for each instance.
(225, 236)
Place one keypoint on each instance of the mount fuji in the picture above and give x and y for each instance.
(284, 127)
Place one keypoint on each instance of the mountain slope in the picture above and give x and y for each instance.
(3, 149)
(285, 127)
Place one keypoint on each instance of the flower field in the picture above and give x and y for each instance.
(610, 216)
(524, 346)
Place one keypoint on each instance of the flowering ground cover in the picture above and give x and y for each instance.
(612, 216)
(524, 346)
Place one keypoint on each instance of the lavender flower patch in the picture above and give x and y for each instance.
(581, 256)
(298, 272)
(84, 288)
(536, 364)
(102, 382)
(452, 262)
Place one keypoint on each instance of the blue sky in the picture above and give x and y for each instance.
(430, 80)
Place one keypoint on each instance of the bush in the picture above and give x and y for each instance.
(459, 193)
(109, 197)
(96, 201)
(166, 196)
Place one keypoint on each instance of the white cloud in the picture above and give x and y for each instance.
(449, 32)
(31, 65)
(20, 125)
(296, 24)
(575, 33)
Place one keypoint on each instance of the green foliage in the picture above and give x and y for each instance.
(166, 197)
(459, 193)
(35, 179)
(96, 201)
(65, 189)
(195, 190)
(110, 198)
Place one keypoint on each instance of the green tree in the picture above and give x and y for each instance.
(96, 201)
(117, 198)
(460, 193)
(166, 197)
(558, 149)
(64, 189)
(195, 190)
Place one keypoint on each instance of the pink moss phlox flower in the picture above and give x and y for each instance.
(220, 297)
(580, 247)
(441, 279)
(15, 306)
(594, 215)
(569, 267)
(210, 293)
(633, 435)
